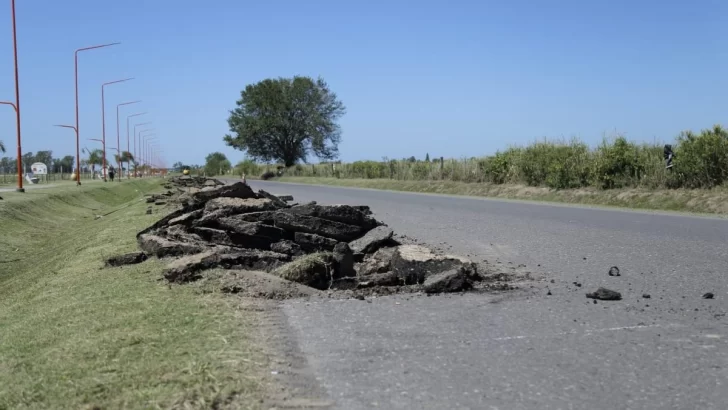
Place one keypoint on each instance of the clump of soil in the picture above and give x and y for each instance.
(308, 248)
(126, 259)
(604, 294)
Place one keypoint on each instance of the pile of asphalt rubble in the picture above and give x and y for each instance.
(323, 247)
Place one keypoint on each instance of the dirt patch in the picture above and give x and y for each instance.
(254, 284)
(126, 259)
(268, 248)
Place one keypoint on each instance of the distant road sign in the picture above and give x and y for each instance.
(39, 168)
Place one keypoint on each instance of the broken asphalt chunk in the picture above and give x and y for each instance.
(604, 294)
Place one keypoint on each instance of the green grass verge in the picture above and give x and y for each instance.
(713, 201)
(76, 335)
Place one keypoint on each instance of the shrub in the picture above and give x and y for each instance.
(557, 165)
(367, 170)
(617, 165)
(701, 161)
(268, 175)
(500, 166)
(247, 167)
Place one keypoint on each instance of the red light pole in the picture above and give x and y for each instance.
(78, 150)
(146, 145)
(159, 162)
(16, 105)
(128, 170)
(78, 169)
(153, 149)
(103, 119)
(136, 157)
(118, 141)
(142, 150)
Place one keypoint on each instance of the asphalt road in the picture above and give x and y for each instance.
(527, 349)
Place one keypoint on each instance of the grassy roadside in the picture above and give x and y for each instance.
(713, 201)
(75, 335)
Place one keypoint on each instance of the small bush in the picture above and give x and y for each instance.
(247, 167)
(268, 175)
(501, 167)
(557, 165)
(701, 161)
(617, 165)
(367, 170)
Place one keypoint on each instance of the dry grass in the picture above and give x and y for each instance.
(77, 335)
(713, 201)
(307, 269)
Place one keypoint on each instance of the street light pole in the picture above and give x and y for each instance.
(141, 145)
(147, 145)
(158, 163)
(103, 119)
(136, 159)
(151, 157)
(16, 105)
(78, 169)
(118, 142)
(153, 149)
(78, 150)
(127, 140)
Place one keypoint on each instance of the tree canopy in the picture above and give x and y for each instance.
(45, 157)
(286, 120)
(95, 157)
(64, 164)
(216, 164)
(127, 157)
(178, 166)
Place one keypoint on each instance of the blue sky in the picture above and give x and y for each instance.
(452, 78)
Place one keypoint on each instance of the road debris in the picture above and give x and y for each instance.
(126, 259)
(614, 271)
(323, 248)
(604, 294)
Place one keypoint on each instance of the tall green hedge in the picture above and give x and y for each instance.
(701, 161)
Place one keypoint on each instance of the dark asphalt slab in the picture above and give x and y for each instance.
(527, 349)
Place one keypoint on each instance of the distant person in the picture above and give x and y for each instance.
(111, 174)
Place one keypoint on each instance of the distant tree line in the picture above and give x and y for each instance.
(66, 164)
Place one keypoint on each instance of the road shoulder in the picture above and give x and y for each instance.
(711, 203)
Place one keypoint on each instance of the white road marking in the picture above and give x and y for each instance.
(584, 333)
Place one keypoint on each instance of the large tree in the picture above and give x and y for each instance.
(178, 166)
(45, 157)
(216, 164)
(286, 120)
(28, 158)
(64, 164)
